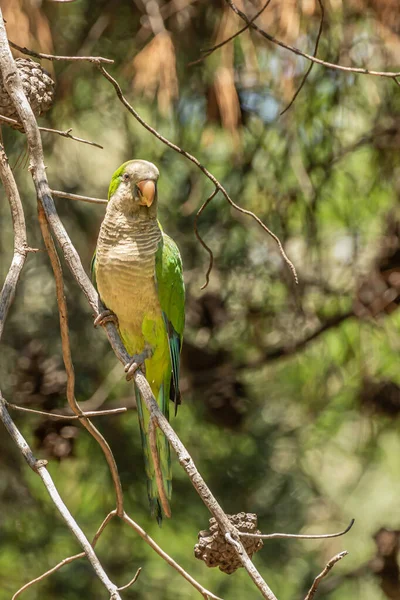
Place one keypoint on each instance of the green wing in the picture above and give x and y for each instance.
(171, 294)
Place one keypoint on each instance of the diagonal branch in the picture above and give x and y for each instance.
(52, 57)
(324, 573)
(298, 536)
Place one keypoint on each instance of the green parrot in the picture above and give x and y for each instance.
(137, 269)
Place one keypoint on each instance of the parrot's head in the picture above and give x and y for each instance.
(133, 189)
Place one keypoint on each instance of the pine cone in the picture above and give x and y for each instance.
(217, 552)
(38, 87)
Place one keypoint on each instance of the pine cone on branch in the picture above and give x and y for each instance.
(217, 552)
(38, 87)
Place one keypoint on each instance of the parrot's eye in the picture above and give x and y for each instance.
(125, 176)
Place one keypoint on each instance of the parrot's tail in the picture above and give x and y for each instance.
(164, 453)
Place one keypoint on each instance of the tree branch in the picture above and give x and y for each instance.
(52, 57)
(55, 415)
(77, 197)
(297, 92)
(324, 573)
(270, 38)
(66, 133)
(298, 536)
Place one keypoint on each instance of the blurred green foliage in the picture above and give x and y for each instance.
(303, 434)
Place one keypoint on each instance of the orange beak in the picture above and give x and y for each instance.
(147, 189)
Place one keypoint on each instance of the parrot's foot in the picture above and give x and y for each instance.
(106, 316)
(136, 362)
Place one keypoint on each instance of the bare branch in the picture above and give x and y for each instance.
(66, 133)
(77, 197)
(55, 415)
(202, 242)
(270, 38)
(203, 169)
(52, 57)
(321, 24)
(209, 51)
(324, 573)
(132, 581)
(298, 536)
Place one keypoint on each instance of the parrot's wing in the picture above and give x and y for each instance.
(171, 294)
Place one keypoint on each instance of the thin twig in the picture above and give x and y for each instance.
(54, 415)
(58, 566)
(157, 468)
(65, 561)
(202, 242)
(271, 38)
(297, 536)
(92, 59)
(324, 573)
(66, 133)
(77, 197)
(66, 351)
(198, 164)
(209, 51)
(168, 559)
(321, 24)
(132, 581)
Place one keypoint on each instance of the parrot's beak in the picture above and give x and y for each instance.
(147, 189)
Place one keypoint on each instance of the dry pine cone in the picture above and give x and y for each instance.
(38, 87)
(217, 552)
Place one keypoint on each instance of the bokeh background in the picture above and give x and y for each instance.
(291, 393)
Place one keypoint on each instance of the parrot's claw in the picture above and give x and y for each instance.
(106, 316)
(136, 362)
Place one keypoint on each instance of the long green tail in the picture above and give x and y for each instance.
(163, 448)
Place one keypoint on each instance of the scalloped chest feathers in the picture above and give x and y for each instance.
(125, 269)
